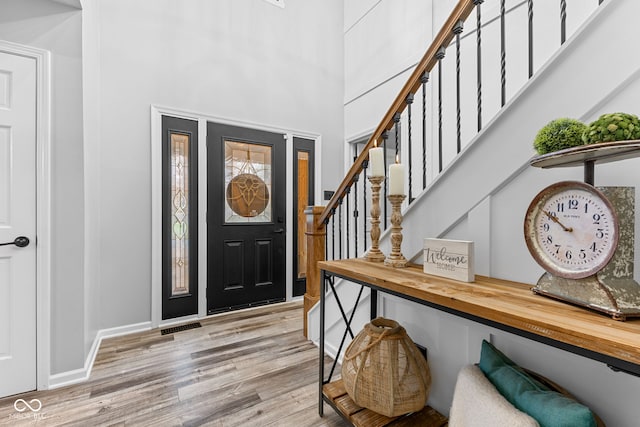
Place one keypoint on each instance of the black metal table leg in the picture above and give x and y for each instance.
(321, 344)
(374, 304)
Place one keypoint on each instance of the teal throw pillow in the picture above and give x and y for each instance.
(549, 408)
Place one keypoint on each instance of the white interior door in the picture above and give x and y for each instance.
(17, 220)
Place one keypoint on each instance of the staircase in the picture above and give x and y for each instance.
(475, 182)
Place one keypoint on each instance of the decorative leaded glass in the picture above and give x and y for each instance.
(303, 202)
(247, 182)
(180, 208)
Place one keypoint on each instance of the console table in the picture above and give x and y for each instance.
(502, 304)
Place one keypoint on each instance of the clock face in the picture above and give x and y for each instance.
(571, 229)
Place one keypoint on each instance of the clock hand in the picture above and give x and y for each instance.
(557, 221)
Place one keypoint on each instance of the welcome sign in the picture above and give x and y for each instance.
(449, 258)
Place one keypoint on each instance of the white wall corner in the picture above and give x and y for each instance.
(76, 4)
(76, 376)
(479, 229)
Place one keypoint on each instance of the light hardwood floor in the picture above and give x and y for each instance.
(247, 368)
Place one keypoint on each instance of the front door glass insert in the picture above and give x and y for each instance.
(247, 182)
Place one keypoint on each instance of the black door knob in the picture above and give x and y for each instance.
(20, 242)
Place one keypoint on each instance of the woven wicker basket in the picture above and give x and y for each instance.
(383, 370)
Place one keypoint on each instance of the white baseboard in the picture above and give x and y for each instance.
(80, 375)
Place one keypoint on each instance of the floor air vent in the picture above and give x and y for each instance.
(181, 328)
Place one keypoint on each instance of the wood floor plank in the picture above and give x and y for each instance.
(246, 368)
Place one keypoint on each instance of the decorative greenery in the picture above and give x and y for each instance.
(559, 134)
(612, 127)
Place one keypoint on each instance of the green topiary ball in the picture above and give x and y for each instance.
(559, 134)
(612, 127)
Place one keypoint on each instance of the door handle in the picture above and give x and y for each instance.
(20, 242)
(279, 230)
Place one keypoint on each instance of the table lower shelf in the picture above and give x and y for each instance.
(336, 396)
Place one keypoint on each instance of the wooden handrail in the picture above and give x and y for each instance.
(426, 64)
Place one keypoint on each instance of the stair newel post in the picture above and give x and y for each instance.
(316, 235)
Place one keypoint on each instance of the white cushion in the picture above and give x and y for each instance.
(477, 403)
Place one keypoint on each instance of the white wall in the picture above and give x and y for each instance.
(57, 28)
(243, 60)
(383, 41)
(483, 194)
(91, 73)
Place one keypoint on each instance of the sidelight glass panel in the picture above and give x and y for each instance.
(303, 202)
(247, 182)
(180, 161)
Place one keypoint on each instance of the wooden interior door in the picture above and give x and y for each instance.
(246, 217)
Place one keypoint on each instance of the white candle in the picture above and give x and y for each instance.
(376, 160)
(396, 178)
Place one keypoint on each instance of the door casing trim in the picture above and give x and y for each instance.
(157, 111)
(43, 205)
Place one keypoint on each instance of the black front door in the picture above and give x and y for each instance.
(246, 217)
(179, 217)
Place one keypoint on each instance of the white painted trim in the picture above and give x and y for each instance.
(330, 350)
(43, 251)
(156, 217)
(319, 199)
(157, 111)
(67, 378)
(288, 249)
(80, 375)
(202, 217)
(43, 208)
(360, 136)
